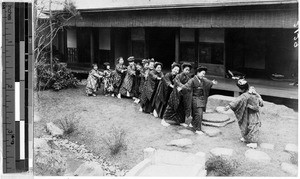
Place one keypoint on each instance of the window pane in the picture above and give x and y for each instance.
(187, 52)
(211, 53)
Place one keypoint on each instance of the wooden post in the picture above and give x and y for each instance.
(92, 46)
(196, 48)
(177, 43)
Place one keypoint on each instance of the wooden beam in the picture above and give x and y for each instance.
(177, 43)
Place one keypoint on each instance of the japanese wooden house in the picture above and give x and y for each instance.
(255, 37)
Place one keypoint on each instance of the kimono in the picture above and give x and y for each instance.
(128, 81)
(118, 77)
(150, 89)
(199, 89)
(136, 84)
(246, 110)
(179, 102)
(144, 75)
(108, 81)
(93, 81)
(162, 95)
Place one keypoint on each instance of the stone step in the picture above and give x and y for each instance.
(215, 117)
(218, 124)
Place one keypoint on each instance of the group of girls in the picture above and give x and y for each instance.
(176, 97)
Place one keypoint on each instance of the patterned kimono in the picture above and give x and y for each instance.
(118, 77)
(162, 95)
(108, 81)
(93, 81)
(151, 86)
(246, 109)
(144, 75)
(179, 102)
(128, 81)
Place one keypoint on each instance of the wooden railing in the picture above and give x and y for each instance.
(72, 55)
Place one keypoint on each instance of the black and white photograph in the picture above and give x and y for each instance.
(165, 88)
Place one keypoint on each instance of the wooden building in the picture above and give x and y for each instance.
(256, 37)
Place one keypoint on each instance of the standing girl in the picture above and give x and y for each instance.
(155, 75)
(164, 90)
(108, 80)
(118, 76)
(93, 81)
(246, 109)
(126, 88)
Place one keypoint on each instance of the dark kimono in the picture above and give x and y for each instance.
(246, 109)
(136, 84)
(118, 77)
(128, 81)
(144, 75)
(93, 81)
(199, 89)
(162, 95)
(179, 102)
(151, 86)
(108, 81)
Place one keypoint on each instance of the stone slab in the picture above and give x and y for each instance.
(290, 168)
(219, 151)
(220, 109)
(256, 155)
(54, 130)
(186, 132)
(215, 117)
(211, 131)
(291, 148)
(181, 142)
(215, 124)
(89, 169)
(267, 146)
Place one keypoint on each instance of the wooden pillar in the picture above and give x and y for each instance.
(196, 48)
(177, 43)
(112, 47)
(65, 45)
(92, 46)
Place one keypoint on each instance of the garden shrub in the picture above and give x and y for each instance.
(220, 166)
(69, 124)
(115, 140)
(294, 158)
(60, 78)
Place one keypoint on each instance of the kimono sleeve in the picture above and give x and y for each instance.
(177, 80)
(235, 104)
(189, 85)
(167, 79)
(130, 71)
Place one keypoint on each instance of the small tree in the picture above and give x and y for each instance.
(48, 23)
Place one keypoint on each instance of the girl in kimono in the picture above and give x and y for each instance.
(155, 75)
(246, 109)
(126, 88)
(93, 81)
(136, 83)
(144, 74)
(108, 80)
(118, 76)
(164, 90)
(179, 103)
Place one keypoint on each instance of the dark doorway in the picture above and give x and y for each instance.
(84, 45)
(162, 45)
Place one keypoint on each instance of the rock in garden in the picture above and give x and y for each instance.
(256, 155)
(186, 132)
(181, 142)
(267, 146)
(215, 117)
(221, 152)
(211, 131)
(289, 168)
(49, 162)
(54, 130)
(41, 144)
(89, 169)
(36, 118)
(218, 100)
(220, 109)
(291, 148)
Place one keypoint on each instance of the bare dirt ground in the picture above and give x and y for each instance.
(98, 114)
